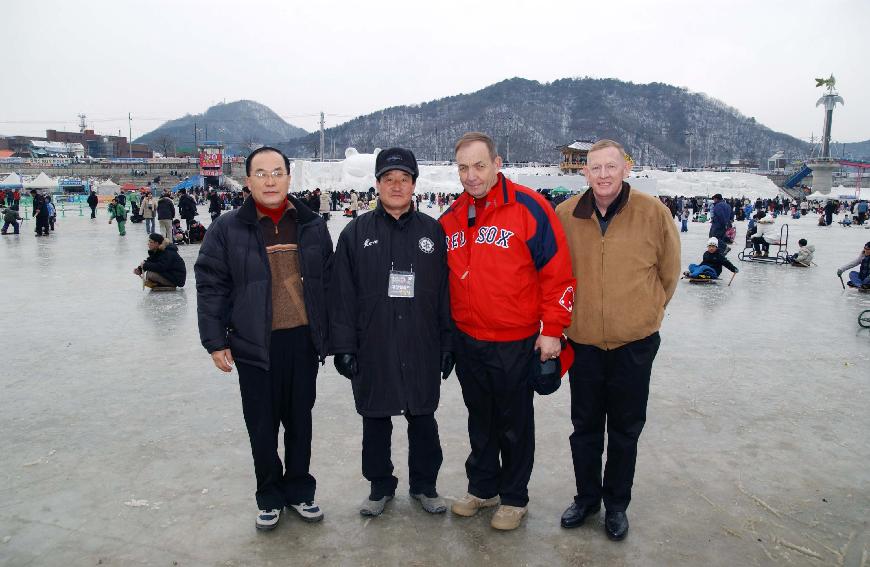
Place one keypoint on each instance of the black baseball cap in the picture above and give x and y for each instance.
(396, 158)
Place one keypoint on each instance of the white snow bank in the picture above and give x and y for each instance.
(356, 171)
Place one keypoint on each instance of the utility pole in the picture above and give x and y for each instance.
(689, 135)
(321, 135)
(508, 148)
(194, 135)
(82, 124)
(130, 143)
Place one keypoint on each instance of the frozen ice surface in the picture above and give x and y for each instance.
(755, 450)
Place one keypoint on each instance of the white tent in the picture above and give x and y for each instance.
(42, 181)
(108, 187)
(819, 196)
(12, 181)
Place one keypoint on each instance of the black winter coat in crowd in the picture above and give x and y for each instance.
(166, 262)
(165, 209)
(214, 203)
(234, 283)
(93, 200)
(186, 207)
(398, 341)
(716, 261)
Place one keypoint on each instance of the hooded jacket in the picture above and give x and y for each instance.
(166, 262)
(234, 283)
(627, 275)
(805, 255)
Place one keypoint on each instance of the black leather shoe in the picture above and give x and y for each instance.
(575, 515)
(616, 525)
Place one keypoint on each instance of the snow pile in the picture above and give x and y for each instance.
(357, 171)
(708, 183)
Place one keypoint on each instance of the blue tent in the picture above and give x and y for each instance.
(194, 181)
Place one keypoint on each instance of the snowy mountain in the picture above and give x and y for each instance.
(651, 120)
(239, 125)
(854, 150)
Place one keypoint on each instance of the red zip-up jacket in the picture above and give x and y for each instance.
(511, 270)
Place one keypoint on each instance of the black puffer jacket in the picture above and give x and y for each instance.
(234, 283)
(186, 207)
(165, 209)
(166, 262)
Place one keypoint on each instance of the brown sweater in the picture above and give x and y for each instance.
(626, 277)
(288, 305)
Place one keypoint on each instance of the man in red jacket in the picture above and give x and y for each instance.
(511, 295)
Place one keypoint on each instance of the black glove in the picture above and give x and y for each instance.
(447, 363)
(736, 270)
(346, 364)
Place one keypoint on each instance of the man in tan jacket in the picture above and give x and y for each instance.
(625, 253)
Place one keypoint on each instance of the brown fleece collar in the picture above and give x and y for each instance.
(585, 206)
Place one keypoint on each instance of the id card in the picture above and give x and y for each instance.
(401, 284)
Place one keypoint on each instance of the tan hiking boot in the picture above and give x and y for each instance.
(508, 517)
(469, 504)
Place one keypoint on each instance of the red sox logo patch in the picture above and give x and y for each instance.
(455, 240)
(493, 235)
(567, 299)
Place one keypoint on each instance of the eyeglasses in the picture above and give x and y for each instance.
(597, 170)
(277, 175)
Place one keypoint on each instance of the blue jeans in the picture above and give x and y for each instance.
(14, 226)
(855, 279)
(684, 227)
(149, 225)
(696, 270)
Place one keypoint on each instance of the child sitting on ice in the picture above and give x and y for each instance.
(178, 234)
(804, 256)
(711, 264)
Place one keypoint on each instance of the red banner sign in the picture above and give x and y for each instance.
(209, 158)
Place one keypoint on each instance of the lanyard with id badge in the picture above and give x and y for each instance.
(401, 283)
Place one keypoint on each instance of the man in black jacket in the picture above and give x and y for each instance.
(186, 207)
(163, 267)
(390, 327)
(93, 201)
(261, 301)
(214, 204)
(165, 214)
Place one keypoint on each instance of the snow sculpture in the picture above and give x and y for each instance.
(358, 170)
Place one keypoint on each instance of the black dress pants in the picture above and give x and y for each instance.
(609, 386)
(282, 395)
(501, 416)
(424, 455)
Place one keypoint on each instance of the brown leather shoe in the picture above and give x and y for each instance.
(508, 517)
(469, 504)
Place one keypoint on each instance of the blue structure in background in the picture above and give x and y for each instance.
(192, 182)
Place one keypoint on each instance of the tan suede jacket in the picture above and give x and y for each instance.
(626, 277)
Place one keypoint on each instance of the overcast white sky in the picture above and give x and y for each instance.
(161, 59)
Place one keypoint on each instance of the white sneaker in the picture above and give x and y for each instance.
(268, 519)
(308, 511)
